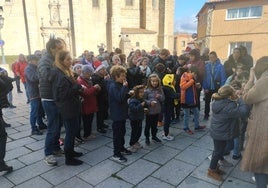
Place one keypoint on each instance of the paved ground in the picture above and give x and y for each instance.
(179, 163)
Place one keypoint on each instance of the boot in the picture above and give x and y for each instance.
(219, 171)
(4, 123)
(70, 160)
(76, 154)
(212, 173)
(6, 168)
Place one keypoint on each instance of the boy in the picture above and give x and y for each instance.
(118, 95)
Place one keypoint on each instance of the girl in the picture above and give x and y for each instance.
(66, 96)
(153, 97)
(226, 109)
(89, 103)
(136, 116)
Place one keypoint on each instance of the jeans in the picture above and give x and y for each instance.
(36, 113)
(119, 131)
(208, 96)
(151, 123)
(186, 116)
(136, 129)
(87, 123)
(3, 139)
(71, 126)
(10, 98)
(53, 127)
(261, 180)
(219, 146)
(167, 118)
(27, 95)
(236, 150)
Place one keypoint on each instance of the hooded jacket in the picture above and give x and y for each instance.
(171, 97)
(225, 117)
(188, 90)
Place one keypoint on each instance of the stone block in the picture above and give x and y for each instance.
(35, 182)
(191, 182)
(20, 142)
(32, 157)
(97, 156)
(114, 182)
(12, 154)
(74, 182)
(153, 183)
(234, 183)
(96, 143)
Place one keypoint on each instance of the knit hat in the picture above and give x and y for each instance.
(86, 69)
(98, 66)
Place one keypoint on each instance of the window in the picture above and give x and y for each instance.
(95, 3)
(183, 43)
(246, 12)
(129, 2)
(154, 4)
(233, 45)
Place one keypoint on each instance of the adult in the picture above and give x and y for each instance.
(17, 78)
(231, 63)
(89, 59)
(45, 85)
(205, 55)
(255, 157)
(214, 78)
(135, 75)
(160, 59)
(115, 61)
(247, 59)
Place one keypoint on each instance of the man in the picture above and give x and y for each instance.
(45, 65)
(162, 57)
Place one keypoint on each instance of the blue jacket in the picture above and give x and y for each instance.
(215, 81)
(225, 116)
(118, 95)
(136, 110)
(32, 81)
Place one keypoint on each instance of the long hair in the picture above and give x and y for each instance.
(149, 85)
(59, 59)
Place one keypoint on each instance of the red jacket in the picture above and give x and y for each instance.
(89, 103)
(19, 70)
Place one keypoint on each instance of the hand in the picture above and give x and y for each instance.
(125, 83)
(97, 86)
(153, 103)
(83, 86)
(198, 85)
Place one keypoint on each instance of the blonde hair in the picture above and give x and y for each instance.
(149, 85)
(224, 92)
(59, 59)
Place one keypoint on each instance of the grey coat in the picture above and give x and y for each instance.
(225, 116)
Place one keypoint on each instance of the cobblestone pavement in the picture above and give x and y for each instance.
(180, 163)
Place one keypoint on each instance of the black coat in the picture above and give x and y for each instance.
(134, 77)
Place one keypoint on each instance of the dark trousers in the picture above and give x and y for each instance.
(3, 139)
(136, 129)
(87, 123)
(119, 131)
(71, 126)
(36, 113)
(198, 91)
(17, 78)
(167, 118)
(151, 123)
(208, 96)
(261, 180)
(219, 146)
(78, 132)
(100, 119)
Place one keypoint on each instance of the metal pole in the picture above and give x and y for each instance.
(2, 51)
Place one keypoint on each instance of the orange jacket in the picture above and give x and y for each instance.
(187, 83)
(19, 70)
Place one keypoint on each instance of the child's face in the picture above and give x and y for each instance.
(144, 63)
(121, 78)
(154, 82)
(87, 75)
(141, 93)
(78, 70)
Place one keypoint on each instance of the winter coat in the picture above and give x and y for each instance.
(215, 81)
(255, 157)
(19, 70)
(200, 65)
(89, 94)
(135, 109)
(149, 96)
(134, 76)
(230, 64)
(65, 94)
(44, 70)
(225, 117)
(188, 91)
(32, 81)
(118, 95)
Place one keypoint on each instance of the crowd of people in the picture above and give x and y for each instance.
(157, 88)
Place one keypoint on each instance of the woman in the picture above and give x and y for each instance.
(256, 151)
(231, 64)
(66, 96)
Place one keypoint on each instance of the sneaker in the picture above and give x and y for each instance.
(73, 161)
(7, 124)
(126, 152)
(12, 106)
(101, 130)
(76, 154)
(237, 157)
(137, 145)
(20, 91)
(132, 149)
(201, 127)
(147, 141)
(220, 171)
(168, 137)
(189, 131)
(212, 173)
(36, 132)
(120, 159)
(157, 140)
(58, 153)
(225, 163)
(6, 168)
(50, 160)
(42, 126)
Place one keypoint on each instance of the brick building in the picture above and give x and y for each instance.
(88, 24)
(226, 24)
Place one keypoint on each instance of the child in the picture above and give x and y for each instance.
(226, 108)
(136, 115)
(89, 103)
(118, 95)
(189, 99)
(171, 99)
(153, 97)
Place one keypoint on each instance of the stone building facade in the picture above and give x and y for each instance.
(88, 24)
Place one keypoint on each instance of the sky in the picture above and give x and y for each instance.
(185, 15)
